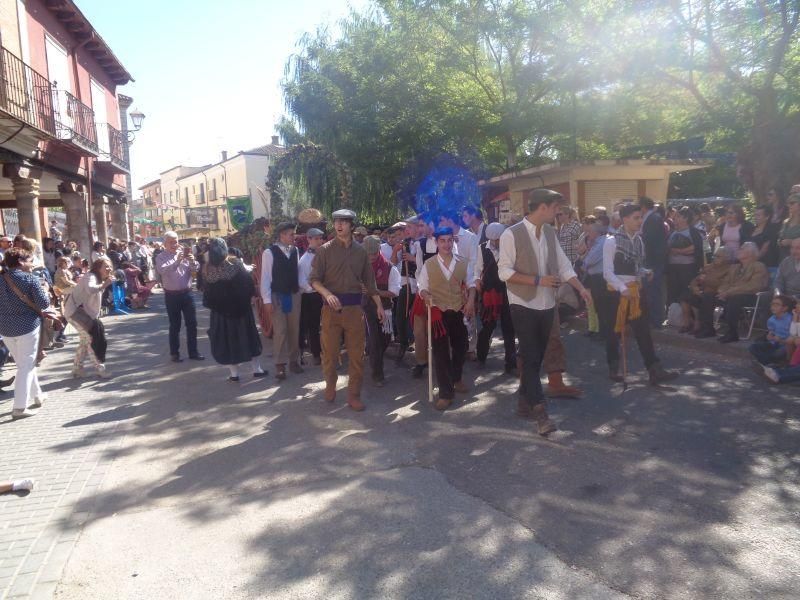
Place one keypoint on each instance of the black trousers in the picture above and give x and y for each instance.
(179, 304)
(640, 328)
(310, 320)
(507, 329)
(402, 320)
(733, 310)
(377, 340)
(450, 352)
(532, 328)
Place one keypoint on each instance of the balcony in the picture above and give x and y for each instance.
(75, 122)
(112, 147)
(26, 95)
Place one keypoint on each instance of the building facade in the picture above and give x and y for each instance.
(60, 122)
(194, 200)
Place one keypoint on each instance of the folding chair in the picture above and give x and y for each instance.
(763, 300)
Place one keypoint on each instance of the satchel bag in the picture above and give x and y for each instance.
(80, 317)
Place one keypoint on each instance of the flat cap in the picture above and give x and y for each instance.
(399, 225)
(314, 232)
(344, 213)
(372, 244)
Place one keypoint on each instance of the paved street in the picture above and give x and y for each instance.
(169, 481)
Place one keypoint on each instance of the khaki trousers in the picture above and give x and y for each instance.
(286, 331)
(350, 321)
(555, 357)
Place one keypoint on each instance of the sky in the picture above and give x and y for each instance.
(207, 74)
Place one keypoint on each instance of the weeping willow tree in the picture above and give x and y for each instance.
(308, 175)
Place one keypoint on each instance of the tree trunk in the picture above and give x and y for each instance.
(511, 152)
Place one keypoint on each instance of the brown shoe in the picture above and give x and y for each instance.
(443, 403)
(295, 368)
(460, 387)
(563, 391)
(355, 403)
(330, 392)
(280, 372)
(543, 423)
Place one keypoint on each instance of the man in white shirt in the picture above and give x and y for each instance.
(405, 261)
(387, 280)
(533, 265)
(441, 284)
(623, 269)
(310, 300)
(280, 285)
(472, 216)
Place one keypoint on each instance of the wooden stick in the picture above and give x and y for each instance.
(624, 355)
(430, 357)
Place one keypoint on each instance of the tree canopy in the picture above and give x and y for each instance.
(498, 85)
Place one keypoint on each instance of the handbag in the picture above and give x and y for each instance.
(80, 317)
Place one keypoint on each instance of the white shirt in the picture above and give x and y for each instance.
(545, 298)
(394, 281)
(423, 279)
(618, 282)
(266, 272)
(386, 250)
(467, 246)
(304, 272)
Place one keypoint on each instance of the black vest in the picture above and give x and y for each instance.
(490, 277)
(408, 269)
(284, 271)
(423, 243)
(623, 264)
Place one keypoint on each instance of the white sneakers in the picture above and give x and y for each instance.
(20, 413)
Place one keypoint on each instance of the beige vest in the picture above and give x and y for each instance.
(526, 261)
(447, 294)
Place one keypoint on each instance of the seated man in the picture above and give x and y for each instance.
(708, 281)
(743, 281)
(787, 281)
(774, 348)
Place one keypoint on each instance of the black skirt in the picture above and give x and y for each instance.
(233, 340)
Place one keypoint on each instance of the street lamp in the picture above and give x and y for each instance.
(136, 118)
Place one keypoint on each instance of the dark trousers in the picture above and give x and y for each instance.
(654, 291)
(532, 328)
(402, 321)
(733, 310)
(177, 304)
(601, 298)
(449, 353)
(507, 328)
(640, 328)
(767, 353)
(377, 341)
(310, 320)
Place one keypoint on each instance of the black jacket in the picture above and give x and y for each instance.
(655, 242)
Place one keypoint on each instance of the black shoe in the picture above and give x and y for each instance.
(510, 369)
(196, 357)
(234, 379)
(7, 382)
(417, 371)
(705, 334)
(262, 374)
(176, 358)
(728, 338)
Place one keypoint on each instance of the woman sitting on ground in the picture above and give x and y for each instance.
(739, 288)
(138, 293)
(707, 281)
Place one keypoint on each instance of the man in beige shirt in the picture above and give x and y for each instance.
(340, 272)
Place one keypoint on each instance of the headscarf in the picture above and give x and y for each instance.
(217, 251)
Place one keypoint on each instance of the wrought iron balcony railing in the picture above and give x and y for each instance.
(111, 142)
(26, 94)
(77, 122)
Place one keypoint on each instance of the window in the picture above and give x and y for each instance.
(202, 193)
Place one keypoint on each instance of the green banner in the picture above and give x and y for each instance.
(240, 210)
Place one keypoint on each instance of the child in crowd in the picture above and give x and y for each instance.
(793, 343)
(775, 348)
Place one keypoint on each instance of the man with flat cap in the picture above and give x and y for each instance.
(533, 265)
(310, 300)
(340, 272)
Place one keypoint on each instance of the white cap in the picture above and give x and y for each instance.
(494, 231)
